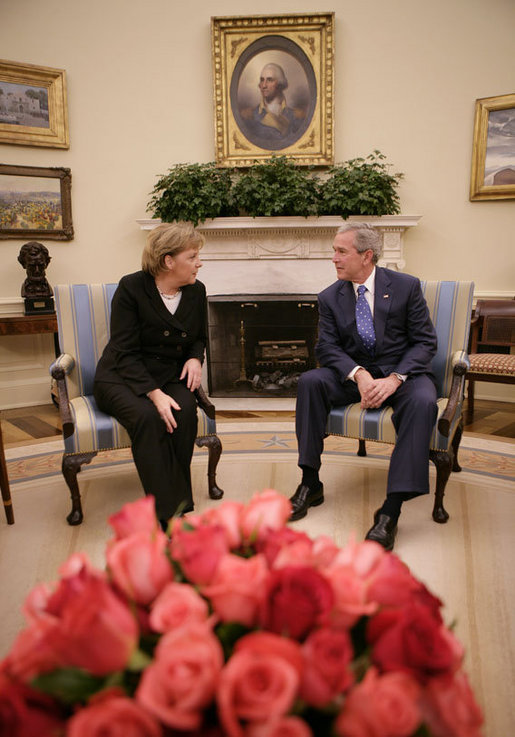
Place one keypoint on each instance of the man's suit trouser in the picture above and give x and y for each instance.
(162, 459)
(414, 415)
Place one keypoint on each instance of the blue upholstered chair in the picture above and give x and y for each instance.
(450, 307)
(83, 314)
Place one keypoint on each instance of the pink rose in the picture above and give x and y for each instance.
(297, 599)
(237, 588)
(261, 641)
(116, 717)
(392, 584)
(199, 551)
(138, 516)
(412, 640)
(177, 604)
(449, 707)
(31, 653)
(327, 673)
(36, 601)
(181, 681)
(350, 595)
(26, 712)
(254, 686)
(277, 541)
(282, 727)
(226, 515)
(266, 511)
(362, 558)
(380, 706)
(139, 566)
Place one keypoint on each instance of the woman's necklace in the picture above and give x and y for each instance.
(169, 296)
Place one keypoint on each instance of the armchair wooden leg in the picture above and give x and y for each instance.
(455, 447)
(70, 467)
(443, 462)
(4, 484)
(470, 402)
(214, 447)
(362, 448)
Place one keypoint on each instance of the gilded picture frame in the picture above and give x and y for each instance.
(33, 105)
(273, 78)
(493, 153)
(35, 202)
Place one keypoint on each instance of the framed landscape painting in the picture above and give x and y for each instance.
(33, 109)
(493, 154)
(35, 202)
(273, 88)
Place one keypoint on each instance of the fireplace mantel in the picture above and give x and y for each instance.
(285, 238)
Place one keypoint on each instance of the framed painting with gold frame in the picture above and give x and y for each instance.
(273, 81)
(33, 109)
(493, 154)
(35, 202)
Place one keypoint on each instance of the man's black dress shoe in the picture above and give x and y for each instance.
(383, 530)
(304, 498)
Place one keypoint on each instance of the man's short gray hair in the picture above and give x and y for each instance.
(367, 238)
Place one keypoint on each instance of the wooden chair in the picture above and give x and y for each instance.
(83, 316)
(493, 325)
(4, 484)
(450, 306)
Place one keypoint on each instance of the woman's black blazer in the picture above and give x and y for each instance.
(148, 345)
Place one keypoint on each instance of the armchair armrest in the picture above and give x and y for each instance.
(204, 403)
(460, 365)
(59, 369)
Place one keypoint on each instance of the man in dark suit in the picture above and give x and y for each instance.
(375, 346)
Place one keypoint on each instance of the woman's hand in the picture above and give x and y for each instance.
(164, 405)
(192, 370)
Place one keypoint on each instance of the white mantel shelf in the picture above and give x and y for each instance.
(278, 238)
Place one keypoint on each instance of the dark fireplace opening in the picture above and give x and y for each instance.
(258, 345)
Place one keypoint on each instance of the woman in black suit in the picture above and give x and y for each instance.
(152, 363)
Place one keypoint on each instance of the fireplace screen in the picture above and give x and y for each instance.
(260, 344)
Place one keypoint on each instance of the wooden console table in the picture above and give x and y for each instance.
(20, 324)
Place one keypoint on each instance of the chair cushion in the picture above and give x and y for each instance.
(99, 431)
(351, 421)
(492, 363)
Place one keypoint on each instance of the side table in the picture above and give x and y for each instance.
(20, 324)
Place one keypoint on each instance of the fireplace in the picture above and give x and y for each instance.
(258, 345)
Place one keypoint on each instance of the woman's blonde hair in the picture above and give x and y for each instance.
(168, 239)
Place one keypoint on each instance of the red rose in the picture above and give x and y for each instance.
(116, 717)
(282, 727)
(412, 640)
(277, 540)
(267, 642)
(327, 657)
(25, 712)
(449, 707)
(253, 687)
(297, 599)
(92, 627)
(199, 551)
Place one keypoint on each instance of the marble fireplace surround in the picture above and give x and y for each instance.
(280, 255)
(283, 254)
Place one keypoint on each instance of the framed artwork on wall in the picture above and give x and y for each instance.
(493, 153)
(273, 88)
(33, 109)
(35, 202)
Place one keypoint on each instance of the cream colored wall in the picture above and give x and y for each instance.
(140, 100)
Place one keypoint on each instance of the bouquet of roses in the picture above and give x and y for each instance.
(234, 625)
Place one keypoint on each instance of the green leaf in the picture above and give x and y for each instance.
(69, 685)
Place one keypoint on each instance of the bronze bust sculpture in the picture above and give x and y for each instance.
(36, 290)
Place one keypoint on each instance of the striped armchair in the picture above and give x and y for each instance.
(83, 315)
(450, 307)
